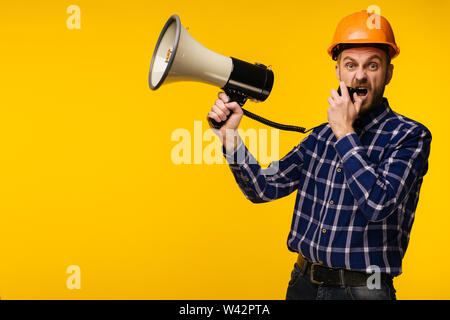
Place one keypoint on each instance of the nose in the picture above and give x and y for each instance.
(361, 75)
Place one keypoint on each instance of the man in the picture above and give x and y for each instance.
(358, 176)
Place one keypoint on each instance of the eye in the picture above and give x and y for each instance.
(373, 66)
(350, 65)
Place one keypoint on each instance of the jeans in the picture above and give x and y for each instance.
(301, 288)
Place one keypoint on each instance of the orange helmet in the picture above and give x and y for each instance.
(355, 31)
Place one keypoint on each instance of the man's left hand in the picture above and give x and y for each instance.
(342, 111)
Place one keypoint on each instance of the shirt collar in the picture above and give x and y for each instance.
(364, 122)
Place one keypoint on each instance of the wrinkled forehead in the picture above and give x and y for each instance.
(362, 54)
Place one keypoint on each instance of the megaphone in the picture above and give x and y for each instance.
(179, 57)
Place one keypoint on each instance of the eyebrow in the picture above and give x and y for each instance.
(374, 56)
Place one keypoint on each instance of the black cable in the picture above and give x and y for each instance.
(275, 124)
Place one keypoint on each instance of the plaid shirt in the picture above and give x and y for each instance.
(356, 196)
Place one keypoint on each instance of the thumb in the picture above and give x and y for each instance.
(357, 103)
(234, 106)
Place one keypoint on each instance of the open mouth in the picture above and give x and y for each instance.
(362, 92)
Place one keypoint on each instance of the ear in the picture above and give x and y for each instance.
(337, 71)
(389, 73)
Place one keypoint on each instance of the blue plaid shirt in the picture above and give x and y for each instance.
(356, 196)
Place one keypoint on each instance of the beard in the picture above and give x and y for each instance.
(375, 102)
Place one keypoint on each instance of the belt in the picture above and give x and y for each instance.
(322, 275)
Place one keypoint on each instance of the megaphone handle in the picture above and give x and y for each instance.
(234, 96)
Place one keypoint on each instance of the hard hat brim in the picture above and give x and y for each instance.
(394, 50)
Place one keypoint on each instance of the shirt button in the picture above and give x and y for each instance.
(324, 230)
(243, 177)
(338, 170)
(331, 201)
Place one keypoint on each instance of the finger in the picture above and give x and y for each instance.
(234, 107)
(357, 102)
(219, 112)
(335, 94)
(222, 106)
(214, 116)
(223, 97)
(344, 90)
(331, 101)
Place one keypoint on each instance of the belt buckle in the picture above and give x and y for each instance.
(311, 274)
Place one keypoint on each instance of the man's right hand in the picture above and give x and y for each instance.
(219, 112)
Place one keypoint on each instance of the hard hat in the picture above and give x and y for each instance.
(356, 30)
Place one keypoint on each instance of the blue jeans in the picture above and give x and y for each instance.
(301, 288)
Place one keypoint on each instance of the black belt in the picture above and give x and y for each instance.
(322, 275)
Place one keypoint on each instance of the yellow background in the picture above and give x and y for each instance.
(86, 176)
